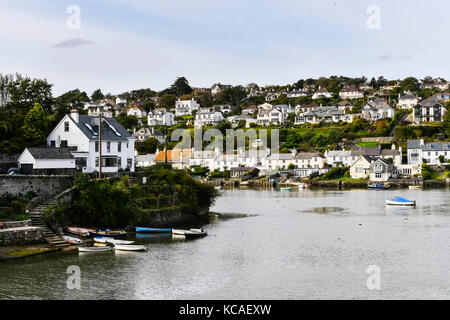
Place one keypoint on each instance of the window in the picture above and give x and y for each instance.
(119, 146)
(96, 146)
(129, 163)
(63, 144)
(378, 175)
(108, 146)
(53, 143)
(66, 126)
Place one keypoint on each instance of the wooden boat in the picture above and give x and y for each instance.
(377, 186)
(72, 240)
(94, 249)
(124, 247)
(108, 233)
(112, 240)
(152, 230)
(415, 187)
(80, 231)
(398, 201)
(190, 234)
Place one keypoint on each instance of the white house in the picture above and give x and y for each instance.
(377, 109)
(407, 101)
(267, 117)
(323, 114)
(185, 107)
(46, 160)
(81, 134)
(321, 93)
(350, 92)
(160, 117)
(234, 120)
(344, 158)
(419, 150)
(136, 111)
(381, 170)
(120, 100)
(145, 160)
(205, 117)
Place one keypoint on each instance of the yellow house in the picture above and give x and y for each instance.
(361, 167)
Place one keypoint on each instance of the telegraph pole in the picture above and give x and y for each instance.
(100, 175)
(165, 143)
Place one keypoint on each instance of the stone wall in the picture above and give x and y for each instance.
(376, 139)
(41, 185)
(16, 224)
(21, 236)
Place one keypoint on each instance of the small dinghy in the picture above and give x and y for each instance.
(152, 230)
(108, 234)
(72, 240)
(112, 240)
(285, 189)
(399, 201)
(190, 234)
(377, 186)
(124, 247)
(415, 187)
(94, 249)
(80, 231)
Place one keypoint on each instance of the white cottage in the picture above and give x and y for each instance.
(81, 134)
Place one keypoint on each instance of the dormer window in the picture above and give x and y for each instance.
(66, 126)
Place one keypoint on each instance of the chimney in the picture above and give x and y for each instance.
(422, 142)
(75, 115)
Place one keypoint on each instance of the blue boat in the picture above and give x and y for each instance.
(399, 201)
(152, 230)
(377, 186)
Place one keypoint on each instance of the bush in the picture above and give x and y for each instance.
(335, 173)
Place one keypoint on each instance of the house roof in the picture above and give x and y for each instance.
(174, 155)
(135, 106)
(146, 157)
(390, 152)
(307, 155)
(111, 128)
(428, 103)
(50, 153)
(280, 156)
(350, 89)
(429, 146)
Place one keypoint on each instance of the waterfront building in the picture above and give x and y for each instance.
(81, 134)
(419, 151)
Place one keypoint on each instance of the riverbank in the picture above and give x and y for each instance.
(17, 252)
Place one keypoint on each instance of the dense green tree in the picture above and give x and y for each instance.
(34, 126)
(167, 100)
(24, 92)
(410, 84)
(97, 95)
(147, 146)
(180, 87)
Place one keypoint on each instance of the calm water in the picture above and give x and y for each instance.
(301, 245)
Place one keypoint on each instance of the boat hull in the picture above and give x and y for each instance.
(72, 240)
(403, 204)
(112, 240)
(94, 249)
(121, 247)
(102, 234)
(152, 230)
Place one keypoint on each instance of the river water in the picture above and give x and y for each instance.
(294, 245)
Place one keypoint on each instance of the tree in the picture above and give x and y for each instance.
(24, 92)
(167, 100)
(147, 146)
(410, 84)
(446, 122)
(180, 87)
(34, 126)
(97, 95)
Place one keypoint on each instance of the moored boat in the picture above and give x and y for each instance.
(80, 231)
(415, 187)
(124, 247)
(72, 240)
(108, 233)
(377, 186)
(112, 240)
(286, 189)
(399, 201)
(152, 230)
(190, 234)
(94, 249)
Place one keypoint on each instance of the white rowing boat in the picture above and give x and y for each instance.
(398, 201)
(112, 240)
(94, 249)
(124, 247)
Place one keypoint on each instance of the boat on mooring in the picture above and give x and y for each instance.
(286, 189)
(399, 201)
(414, 187)
(378, 186)
(190, 234)
(112, 240)
(94, 249)
(71, 240)
(84, 232)
(108, 233)
(126, 247)
(153, 230)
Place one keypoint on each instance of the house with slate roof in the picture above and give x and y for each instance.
(80, 133)
(430, 151)
(429, 110)
(46, 160)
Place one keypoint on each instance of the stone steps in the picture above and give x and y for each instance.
(36, 220)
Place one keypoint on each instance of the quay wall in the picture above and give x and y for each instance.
(42, 185)
(21, 236)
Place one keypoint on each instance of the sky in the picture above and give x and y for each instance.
(120, 45)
